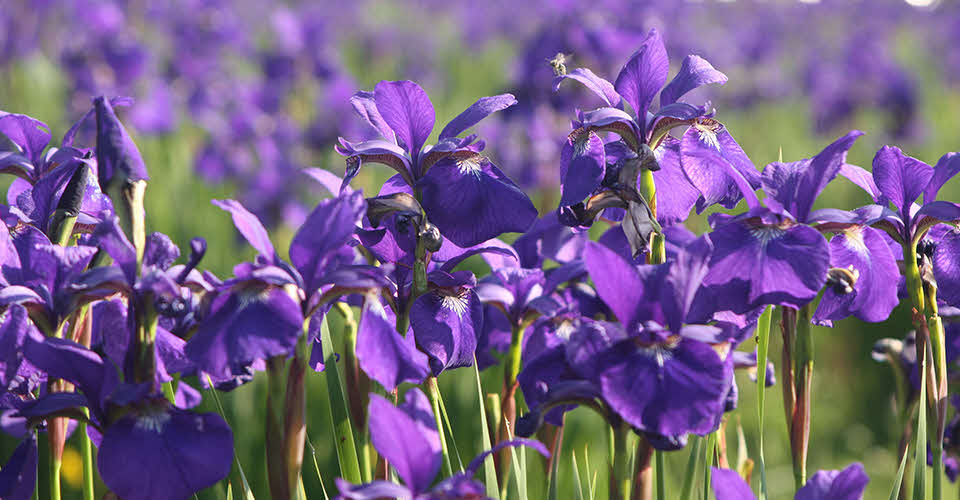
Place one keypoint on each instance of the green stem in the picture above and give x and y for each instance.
(648, 189)
(54, 478)
(273, 434)
(295, 413)
(661, 480)
(434, 390)
(621, 472)
(800, 436)
(763, 346)
(86, 449)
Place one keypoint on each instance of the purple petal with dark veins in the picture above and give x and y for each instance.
(407, 437)
(471, 201)
(899, 177)
(603, 88)
(874, 294)
(694, 72)
(384, 354)
(408, 111)
(644, 74)
(582, 166)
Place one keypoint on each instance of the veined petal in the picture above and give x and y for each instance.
(27, 133)
(582, 166)
(329, 227)
(644, 74)
(603, 88)
(407, 437)
(251, 322)
(446, 323)
(717, 166)
(617, 282)
(667, 389)
(863, 251)
(946, 267)
(373, 151)
(484, 107)
(795, 185)
(863, 179)
(189, 452)
(472, 201)
(900, 178)
(384, 354)
(676, 195)
(364, 105)
(694, 72)
(778, 265)
(408, 111)
(250, 227)
(946, 168)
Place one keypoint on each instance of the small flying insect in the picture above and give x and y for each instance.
(558, 63)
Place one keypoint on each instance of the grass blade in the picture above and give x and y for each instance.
(895, 491)
(339, 413)
(763, 346)
(576, 477)
(520, 471)
(446, 420)
(489, 470)
(247, 492)
(316, 465)
(709, 455)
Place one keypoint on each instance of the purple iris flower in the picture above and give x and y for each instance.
(776, 254)
(148, 448)
(461, 191)
(692, 170)
(260, 312)
(656, 370)
(407, 437)
(846, 484)
(901, 180)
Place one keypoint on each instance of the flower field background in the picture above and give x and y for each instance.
(233, 100)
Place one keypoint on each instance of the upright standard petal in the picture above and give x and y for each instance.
(582, 166)
(27, 133)
(472, 201)
(250, 227)
(796, 185)
(946, 168)
(406, 108)
(407, 437)
(484, 107)
(694, 72)
(365, 106)
(900, 178)
(328, 228)
(644, 74)
(116, 152)
(187, 452)
(865, 254)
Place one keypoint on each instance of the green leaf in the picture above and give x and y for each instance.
(446, 420)
(489, 470)
(553, 492)
(763, 346)
(709, 455)
(247, 492)
(519, 468)
(895, 491)
(339, 413)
